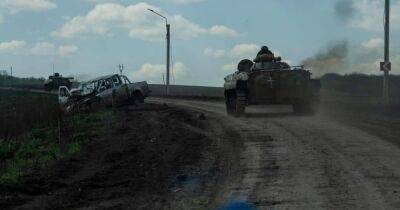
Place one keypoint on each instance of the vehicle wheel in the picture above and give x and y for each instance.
(97, 104)
(241, 102)
(136, 98)
(84, 108)
(229, 105)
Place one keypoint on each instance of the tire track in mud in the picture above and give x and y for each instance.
(251, 163)
(243, 172)
(299, 162)
(269, 173)
(290, 184)
(367, 164)
(255, 157)
(333, 183)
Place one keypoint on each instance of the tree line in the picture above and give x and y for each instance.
(360, 84)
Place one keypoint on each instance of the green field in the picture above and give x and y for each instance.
(33, 132)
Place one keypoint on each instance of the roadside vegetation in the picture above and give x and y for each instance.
(148, 156)
(356, 99)
(31, 82)
(360, 84)
(34, 133)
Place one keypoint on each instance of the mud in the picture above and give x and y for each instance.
(194, 156)
(157, 157)
(307, 162)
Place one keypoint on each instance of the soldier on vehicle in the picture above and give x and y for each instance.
(264, 55)
(264, 50)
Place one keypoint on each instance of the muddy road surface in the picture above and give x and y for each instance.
(188, 154)
(304, 162)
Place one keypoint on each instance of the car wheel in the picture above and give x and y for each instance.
(138, 98)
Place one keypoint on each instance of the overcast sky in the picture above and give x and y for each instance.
(87, 38)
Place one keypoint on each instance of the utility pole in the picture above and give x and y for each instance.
(168, 55)
(11, 71)
(386, 66)
(168, 26)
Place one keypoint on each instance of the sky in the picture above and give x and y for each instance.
(89, 38)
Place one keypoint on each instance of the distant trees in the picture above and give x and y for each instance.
(31, 82)
(360, 84)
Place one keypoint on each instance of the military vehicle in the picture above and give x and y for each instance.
(268, 80)
(56, 80)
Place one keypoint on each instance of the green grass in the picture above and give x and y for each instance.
(38, 144)
(74, 147)
(28, 153)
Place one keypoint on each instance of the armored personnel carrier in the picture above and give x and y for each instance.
(56, 80)
(268, 81)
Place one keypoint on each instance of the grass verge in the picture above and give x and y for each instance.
(39, 147)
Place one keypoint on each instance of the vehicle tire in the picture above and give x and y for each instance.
(136, 98)
(229, 106)
(97, 104)
(241, 103)
(84, 108)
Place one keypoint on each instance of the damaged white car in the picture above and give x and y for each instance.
(107, 91)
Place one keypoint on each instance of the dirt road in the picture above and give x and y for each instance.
(300, 162)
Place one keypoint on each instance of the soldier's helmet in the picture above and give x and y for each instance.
(264, 48)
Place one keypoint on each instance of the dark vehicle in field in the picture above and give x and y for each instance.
(108, 91)
(56, 80)
(270, 81)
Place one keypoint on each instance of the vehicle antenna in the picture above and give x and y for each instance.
(121, 68)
